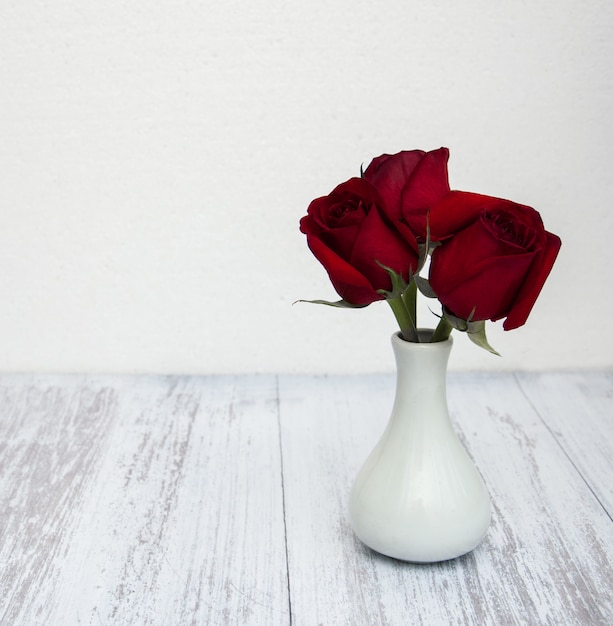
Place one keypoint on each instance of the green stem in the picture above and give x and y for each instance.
(409, 297)
(404, 319)
(443, 330)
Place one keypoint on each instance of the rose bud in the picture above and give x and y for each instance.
(350, 234)
(494, 257)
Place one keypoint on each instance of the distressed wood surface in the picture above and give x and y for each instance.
(141, 501)
(578, 410)
(222, 500)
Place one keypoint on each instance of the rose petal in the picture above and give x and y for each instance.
(456, 211)
(379, 242)
(537, 275)
(490, 285)
(338, 234)
(456, 258)
(341, 240)
(389, 173)
(349, 283)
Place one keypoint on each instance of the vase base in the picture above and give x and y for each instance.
(421, 559)
(416, 542)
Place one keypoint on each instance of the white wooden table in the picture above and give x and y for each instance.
(222, 500)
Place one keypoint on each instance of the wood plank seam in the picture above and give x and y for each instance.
(280, 435)
(560, 444)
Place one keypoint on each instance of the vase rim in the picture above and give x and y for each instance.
(425, 334)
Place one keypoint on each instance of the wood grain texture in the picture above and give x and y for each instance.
(141, 501)
(577, 407)
(546, 559)
(222, 500)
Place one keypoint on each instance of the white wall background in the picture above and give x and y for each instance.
(155, 158)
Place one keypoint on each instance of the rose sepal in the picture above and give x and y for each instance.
(423, 284)
(425, 249)
(474, 329)
(339, 304)
(402, 298)
(399, 284)
(479, 338)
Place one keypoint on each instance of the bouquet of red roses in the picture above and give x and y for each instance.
(489, 257)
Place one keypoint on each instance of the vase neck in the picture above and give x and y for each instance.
(421, 374)
(421, 364)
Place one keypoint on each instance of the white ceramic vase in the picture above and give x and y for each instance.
(418, 496)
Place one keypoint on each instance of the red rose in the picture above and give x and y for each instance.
(349, 233)
(494, 257)
(410, 183)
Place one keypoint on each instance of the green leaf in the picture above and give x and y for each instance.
(340, 304)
